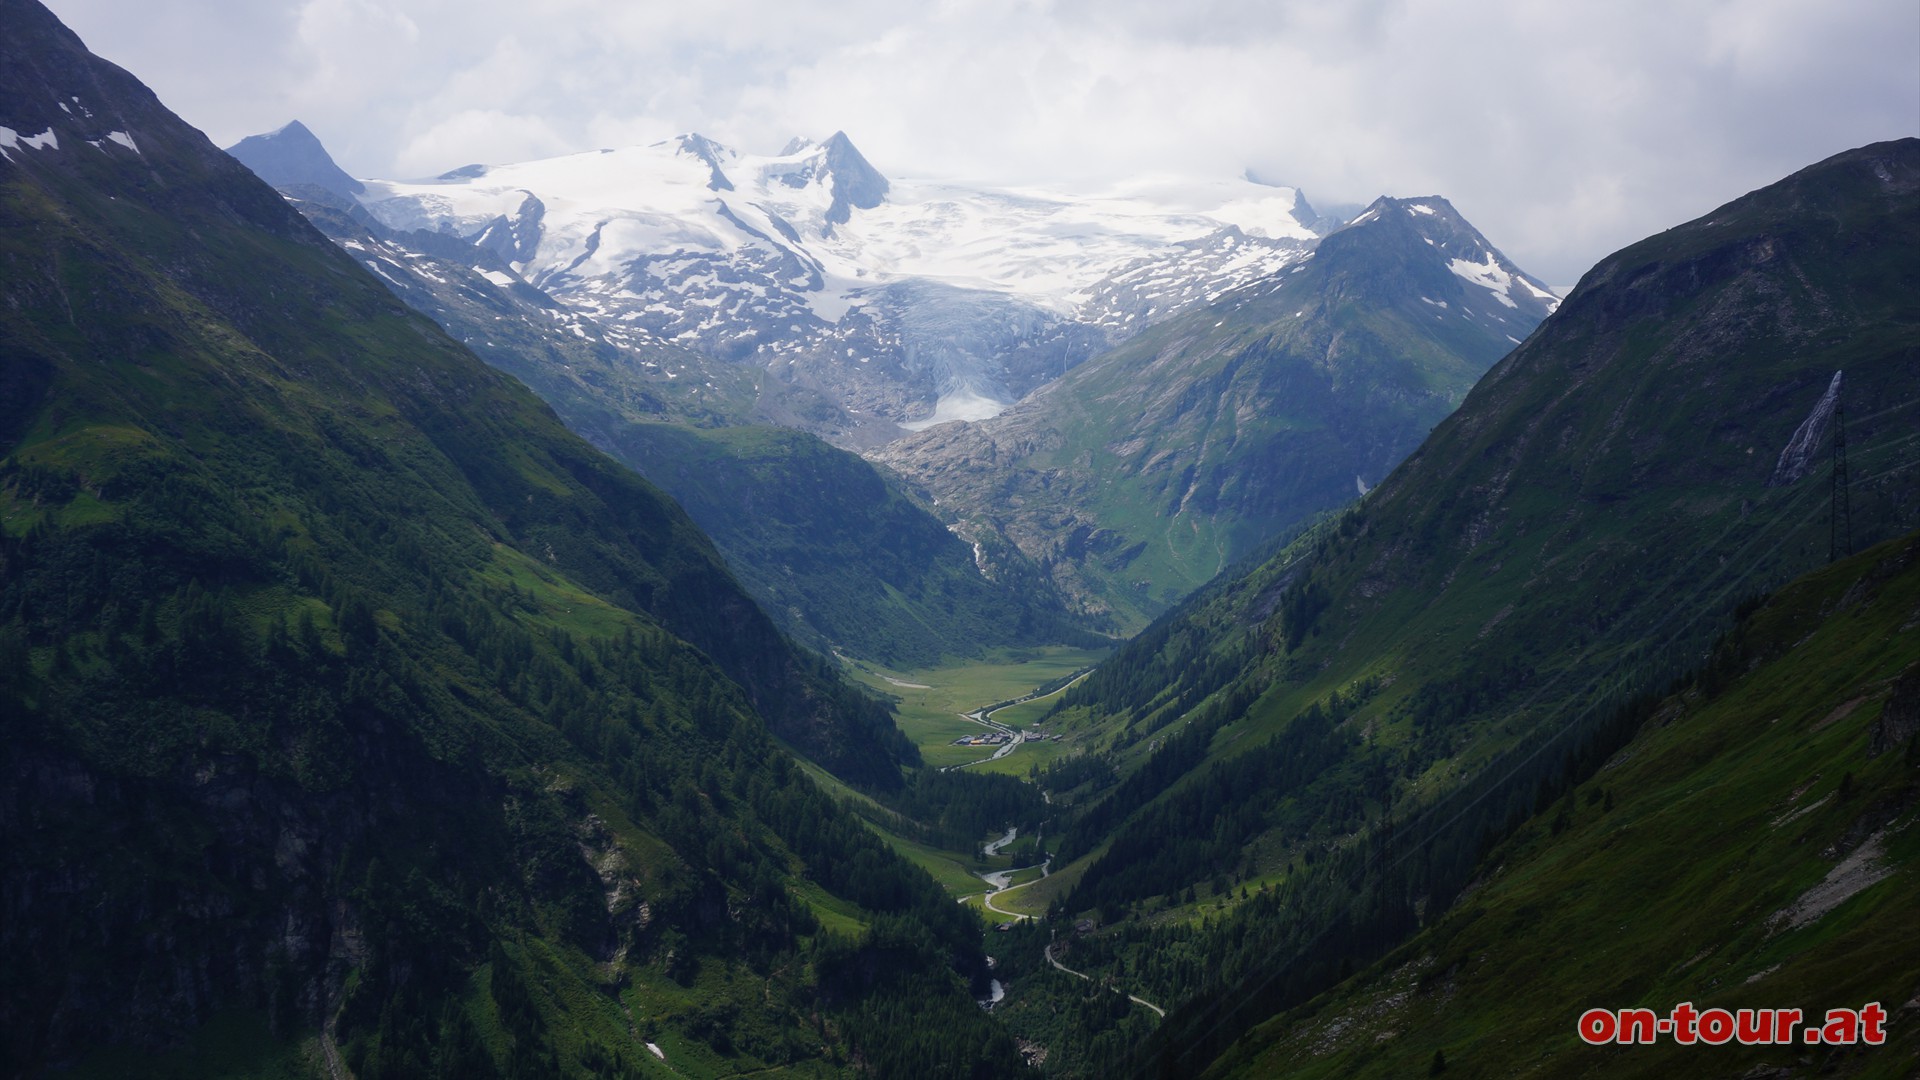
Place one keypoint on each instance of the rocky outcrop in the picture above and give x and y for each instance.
(1899, 715)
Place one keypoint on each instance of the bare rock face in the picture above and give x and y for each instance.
(855, 182)
(263, 923)
(1899, 715)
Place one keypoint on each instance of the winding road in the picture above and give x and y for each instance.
(997, 885)
(997, 880)
(984, 717)
(1140, 1001)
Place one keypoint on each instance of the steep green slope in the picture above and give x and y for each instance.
(838, 554)
(1408, 675)
(347, 695)
(1142, 473)
(824, 541)
(1751, 848)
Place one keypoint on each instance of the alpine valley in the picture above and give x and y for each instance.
(681, 611)
(793, 515)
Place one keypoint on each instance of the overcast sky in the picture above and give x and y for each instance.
(1563, 129)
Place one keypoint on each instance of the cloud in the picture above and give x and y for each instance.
(479, 135)
(1562, 129)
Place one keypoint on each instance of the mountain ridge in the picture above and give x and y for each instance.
(292, 156)
(1488, 624)
(1240, 419)
(897, 587)
(989, 326)
(870, 303)
(1782, 900)
(350, 724)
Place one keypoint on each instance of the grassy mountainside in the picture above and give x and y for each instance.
(1752, 847)
(1408, 675)
(841, 556)
(1140, 474)
(355, 707)
(823, 540)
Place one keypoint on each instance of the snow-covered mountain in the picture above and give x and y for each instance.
(1213, 349)
(872, 306)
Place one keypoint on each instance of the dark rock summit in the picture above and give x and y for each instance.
(293, 157)
(855, 182)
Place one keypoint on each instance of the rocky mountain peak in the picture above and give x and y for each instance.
(837, 163)
(695, 145)
(1428, 247)
(856, 183)
(292, 156)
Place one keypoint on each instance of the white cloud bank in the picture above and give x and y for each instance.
(1562, 129)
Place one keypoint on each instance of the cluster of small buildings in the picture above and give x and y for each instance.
(993, 738)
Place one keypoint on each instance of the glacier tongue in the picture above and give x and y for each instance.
(959, 405)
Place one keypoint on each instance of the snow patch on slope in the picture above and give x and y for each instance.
(1489, 276)
(13, 140)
